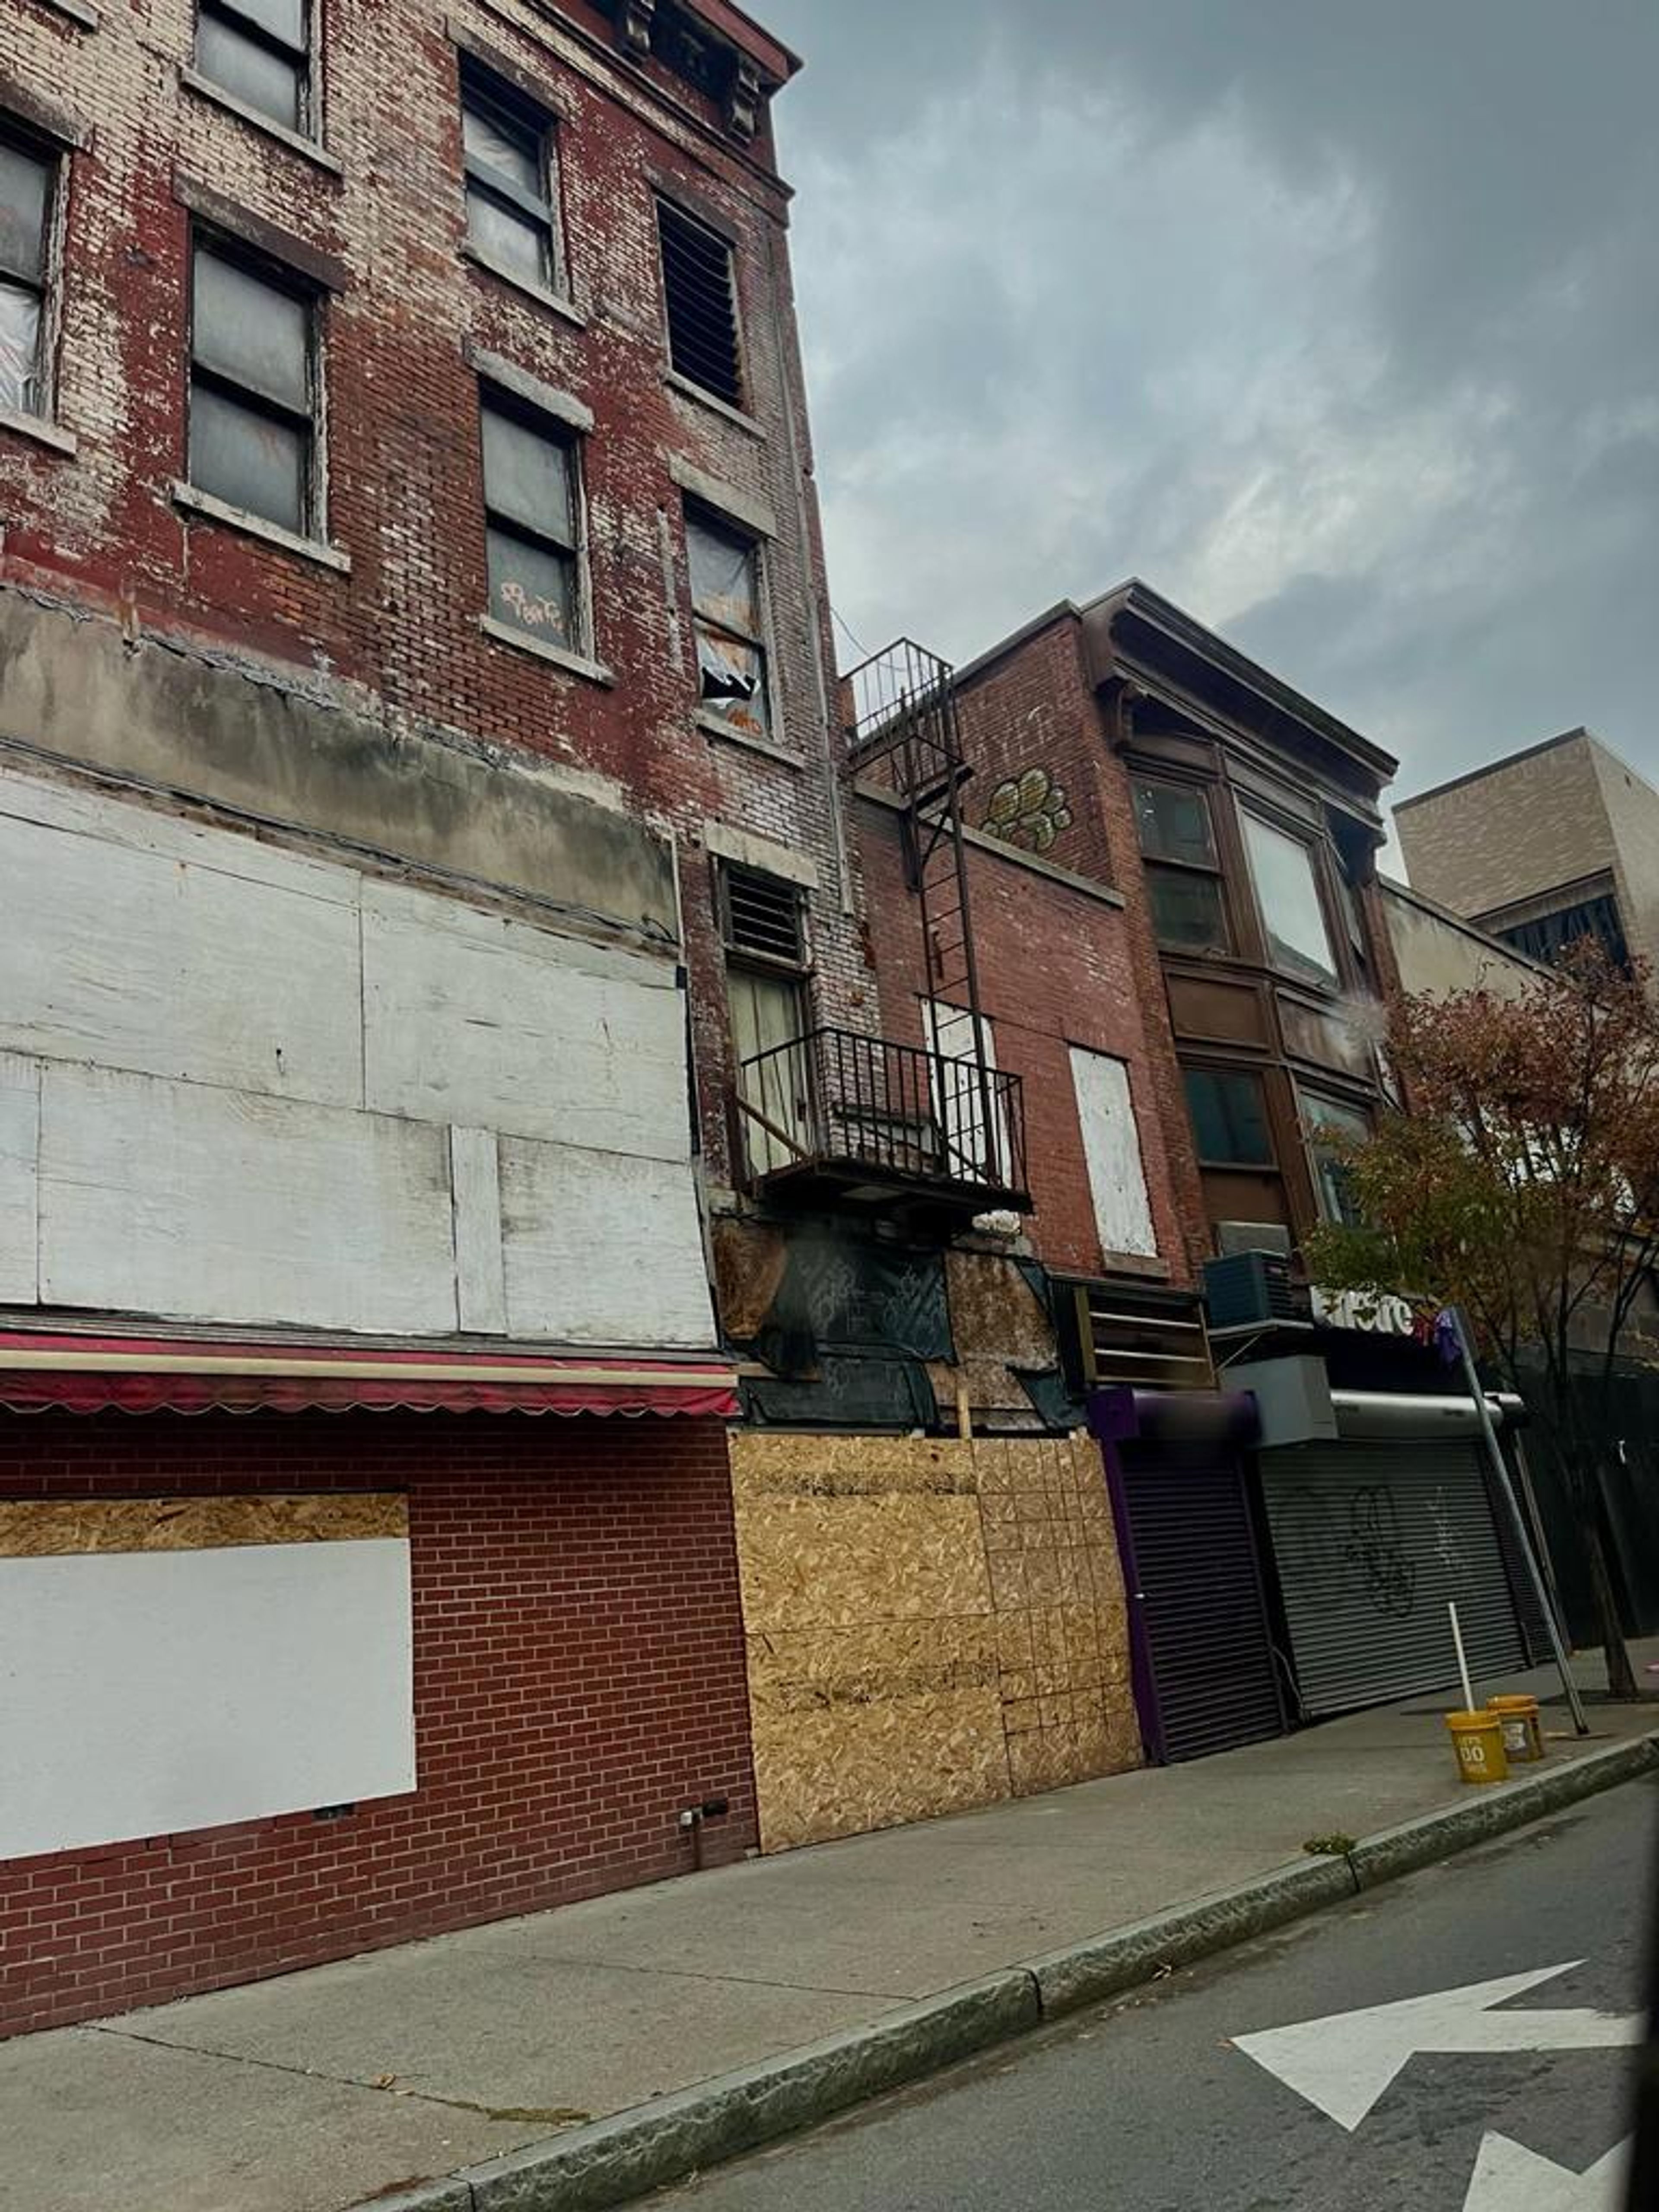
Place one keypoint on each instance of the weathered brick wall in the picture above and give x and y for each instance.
(399, 637)
(1033, 707)
(1056, 968)
(578, 1679)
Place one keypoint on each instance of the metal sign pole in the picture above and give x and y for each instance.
(1501, 1470)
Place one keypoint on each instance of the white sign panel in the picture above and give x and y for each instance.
(152, 1692)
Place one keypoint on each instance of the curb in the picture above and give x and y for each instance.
(615, 2160)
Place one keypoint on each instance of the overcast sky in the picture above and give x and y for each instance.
(1336, 320)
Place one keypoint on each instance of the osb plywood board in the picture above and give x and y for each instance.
(836, 1563)
(866, 1728)
(994, 1312)
(932, 1624)
(774, 1463)
(55, 1528)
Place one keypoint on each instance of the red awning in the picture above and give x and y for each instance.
(135, 1374)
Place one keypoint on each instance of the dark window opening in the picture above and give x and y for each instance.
(1549, 935)
(1183, 884)
(508, 145)
(252, 399)
(533, 521)
(702, 304)
(762, 916)
(258, 51)
(29, 177)
(1230, 1118)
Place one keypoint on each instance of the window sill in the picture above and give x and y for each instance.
(42, 431)
(203, 503)
(675, 382)
(84, 18)
(574, 664)
(555, 303)
(713, 726)
(308, 148)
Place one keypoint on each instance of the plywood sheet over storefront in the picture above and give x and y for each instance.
(932, 1625)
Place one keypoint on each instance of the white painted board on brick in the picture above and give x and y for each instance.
(132, 944)
(171, 1199)
(147, 1694)
(474, 1019)
(1111, 1145)
(19, 1132)
(602, 1249)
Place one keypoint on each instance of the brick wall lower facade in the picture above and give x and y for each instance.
(579, 1678)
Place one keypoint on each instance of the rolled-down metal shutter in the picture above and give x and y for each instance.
(1196, 1600)
(1371, 1541)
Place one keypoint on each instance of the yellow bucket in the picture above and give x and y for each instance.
(1523, 1728)
(1478, 1741)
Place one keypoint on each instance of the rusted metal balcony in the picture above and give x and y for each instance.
(838, 1116)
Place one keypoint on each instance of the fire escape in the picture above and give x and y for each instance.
(837, 1114)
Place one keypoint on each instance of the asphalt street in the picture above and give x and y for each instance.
(1234, 2088)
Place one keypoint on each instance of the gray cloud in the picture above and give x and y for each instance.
(1340, 324)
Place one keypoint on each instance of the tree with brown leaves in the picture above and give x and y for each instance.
(1521, 1183)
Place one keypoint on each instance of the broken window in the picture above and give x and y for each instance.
(729, 622)
(701, 303)
(29, 176)
(258, 51)
(252, 396)
(507, 147)
(532, 521)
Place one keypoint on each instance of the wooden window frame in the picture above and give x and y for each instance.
(669, 212)
(311, 421)
(301, 58)
(1154, 864)
(483, 91)
(553, 430)
(759, 641)
(47, 290)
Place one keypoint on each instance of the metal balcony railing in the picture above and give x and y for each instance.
(863, 1106)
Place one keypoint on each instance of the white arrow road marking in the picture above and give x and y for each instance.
(1343, 2064)
(1509, 2179)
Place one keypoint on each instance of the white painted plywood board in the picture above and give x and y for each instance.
(474, 1019)
(480, 1280)
(170, 1198)
(140, 959)
(1111, 1145)
(146, 1694)
(19, 1131)
(603, 1249)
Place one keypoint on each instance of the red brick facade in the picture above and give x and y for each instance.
(410, 325)
(578, 1680)
(1056, 968)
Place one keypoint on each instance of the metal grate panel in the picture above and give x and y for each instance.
(1371, 1543)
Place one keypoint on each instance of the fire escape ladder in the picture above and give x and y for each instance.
(904, 736)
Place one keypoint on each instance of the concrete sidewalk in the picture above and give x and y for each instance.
(351, 2082)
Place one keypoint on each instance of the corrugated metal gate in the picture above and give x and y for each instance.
(1371, 1540)
(1205, 1677)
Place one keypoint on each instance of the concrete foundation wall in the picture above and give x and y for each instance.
(930, 1625)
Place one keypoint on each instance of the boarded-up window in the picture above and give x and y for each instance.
(533, 521)
(29, 176)
(508, 149)
(1111, 1145)
(702, 304)
(967, 1099)
(727, 612)
(258, 51)
(253, 398)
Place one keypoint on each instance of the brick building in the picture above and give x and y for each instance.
(1543, 847)
(412, 665)
(1185, 893)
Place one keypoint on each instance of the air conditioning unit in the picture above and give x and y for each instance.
(1232, 1236)
(1250, 1290)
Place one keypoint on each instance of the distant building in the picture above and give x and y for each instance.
(1543, 849)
